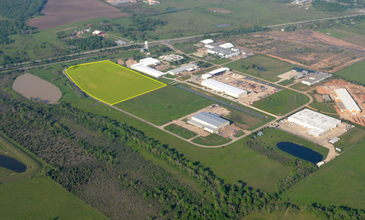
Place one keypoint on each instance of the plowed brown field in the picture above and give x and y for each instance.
(61, 12)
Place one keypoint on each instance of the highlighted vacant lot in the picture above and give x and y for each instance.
(111, 83)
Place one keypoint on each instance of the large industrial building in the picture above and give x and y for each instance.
(316, 78)
(345, 102)
(144, 66)
(224, 88)
(181, 69)
(317, 123)
(209, 121)
(223, 52)
(206, 41)
(215, 72)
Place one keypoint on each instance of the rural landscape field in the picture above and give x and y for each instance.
(179, 110)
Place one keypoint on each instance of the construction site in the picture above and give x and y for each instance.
(357, 94)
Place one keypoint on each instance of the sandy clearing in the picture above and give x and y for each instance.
(31, 86)
(62, 12)
(220, 10)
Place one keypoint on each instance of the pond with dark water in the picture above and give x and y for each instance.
(12, 164)
(301, 152)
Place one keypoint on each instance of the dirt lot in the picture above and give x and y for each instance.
(61, 12)
(256, 90)
(220, 10)
(357, 92)
(313, 50)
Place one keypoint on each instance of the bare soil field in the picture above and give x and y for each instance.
(307, 48)
(31, 86)
(220, 10)
(61, 12)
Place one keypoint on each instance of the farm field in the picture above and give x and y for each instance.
(274, 136)
(353, 73)
(111, 83)
(261, 66)
(340, 182)
(182, 132)
(241, 162)
(41, 198)
(164, 105)
(282, 102)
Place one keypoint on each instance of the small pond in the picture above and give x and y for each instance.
(12, 164)
(301, 152)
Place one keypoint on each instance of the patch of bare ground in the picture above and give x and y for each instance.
(220, 10)
(62, 12)
(306, 48)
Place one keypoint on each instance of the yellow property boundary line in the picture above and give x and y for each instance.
(163, 84)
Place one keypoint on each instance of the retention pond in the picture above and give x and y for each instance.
(12, 164)
(301, 152)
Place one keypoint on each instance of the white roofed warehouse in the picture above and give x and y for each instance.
(348, 103)
(224, 88)
(144, 67)
(223, 52)
(209, 121)
(181, 69)
(317, 123)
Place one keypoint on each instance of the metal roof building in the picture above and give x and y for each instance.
(225, 88)
(317, 123)
(316, 78)
(226, 45)
(209, 121)
(219, 71)
(207, 41)
(223, 52)
(181, 69)
(344, 96)
(143, 67)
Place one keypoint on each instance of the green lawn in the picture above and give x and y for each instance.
(282, 102)
(164, 105)
(350, 138)
(261, 66)
(353, 73)
(232, 163)
(328, 107)
(111, 83)
(182, 132)
(211, 140)
(242, 120)
(273, 136)
(286, 82)
(41, 198)
(340, 182)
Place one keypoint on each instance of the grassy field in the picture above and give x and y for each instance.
(300, 86)
(211, 140)
(282, 102)
(340, 182)
(328, 107)
(182, 132)
(353, 73)
(261, 66)
(274, 136)
(164, 105)
(350, 138)
(41, 198)
(232, 163)
(111, 83)
(286, 82)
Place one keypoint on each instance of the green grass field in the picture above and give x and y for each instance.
(286, 82)
(41, 198)
(164, 105)
(353, 73)
(182, 132)
(300, 86)
(111, 83)
(211, 140)
(350, 138)
(270, 67)
(274, 136)
(232, 163)
(340, 182)
(282, 102)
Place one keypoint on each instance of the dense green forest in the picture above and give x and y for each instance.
(90, 43)
(98, 160)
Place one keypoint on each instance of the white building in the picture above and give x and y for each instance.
(317, 123)
(223, 52)
(219, 71)
(224, 88)
(181, 69)
(349, 104)
(316, 78)
(226, 45)
(206, 76)
(209, 121)
(96, 32)
(207, 41)
(144, 67)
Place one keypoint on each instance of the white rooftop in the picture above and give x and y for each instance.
(210, 119)
(226, 45)
(347, 100)
(149, 61)
(148, 70)
(207, 41)
(223, 86)
(218, 71)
